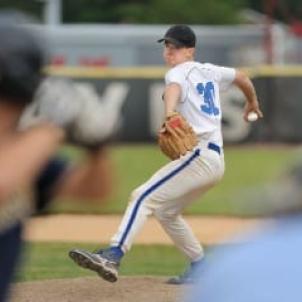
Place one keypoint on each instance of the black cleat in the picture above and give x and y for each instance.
(99, 262)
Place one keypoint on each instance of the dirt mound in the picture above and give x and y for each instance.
(94, 289)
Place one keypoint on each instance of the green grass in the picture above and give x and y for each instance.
(51, 261)
(247, 168)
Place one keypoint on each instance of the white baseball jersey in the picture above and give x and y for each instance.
(176, 185)
(200, 102)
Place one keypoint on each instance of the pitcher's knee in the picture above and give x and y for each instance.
(133, 195)
(139, 195)
(166, 215)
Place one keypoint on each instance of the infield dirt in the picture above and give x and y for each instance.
(99, 229)
(209, 230)
(127, 289)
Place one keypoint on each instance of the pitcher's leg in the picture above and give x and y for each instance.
(106, 261)
(164, 187)
(194, 181)
(182, 235)
(147, 198)
(132, 222)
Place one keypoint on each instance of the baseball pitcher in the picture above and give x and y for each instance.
(191, 137)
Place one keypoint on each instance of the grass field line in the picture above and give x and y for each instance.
(100, 228)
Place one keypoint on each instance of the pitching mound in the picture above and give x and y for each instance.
(147, 289)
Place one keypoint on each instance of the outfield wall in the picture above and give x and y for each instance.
(279, 90)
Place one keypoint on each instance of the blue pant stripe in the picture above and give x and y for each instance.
(153, 188)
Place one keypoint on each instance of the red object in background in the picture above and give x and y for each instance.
(58, 61)
(296, 28)
(94, 62)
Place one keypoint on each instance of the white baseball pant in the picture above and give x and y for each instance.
(167, 193)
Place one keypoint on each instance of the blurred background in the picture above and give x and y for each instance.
(110, 45)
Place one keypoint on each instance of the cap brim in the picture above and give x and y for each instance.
(170, 40)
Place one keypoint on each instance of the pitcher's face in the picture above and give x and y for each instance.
(174, 55)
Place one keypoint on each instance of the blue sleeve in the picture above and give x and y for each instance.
(46, 181)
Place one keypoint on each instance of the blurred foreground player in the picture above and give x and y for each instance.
(264, 268)
(30, 171)
(22, 155)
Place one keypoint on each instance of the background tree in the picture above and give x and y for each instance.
(182, 11)
(160, 11)
(143, 11)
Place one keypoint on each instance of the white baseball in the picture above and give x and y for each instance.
(252, 117)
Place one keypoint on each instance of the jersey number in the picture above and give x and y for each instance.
(208, 93)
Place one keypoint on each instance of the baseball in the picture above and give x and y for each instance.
(252, 117)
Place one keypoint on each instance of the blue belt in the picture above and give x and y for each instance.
(214, 147)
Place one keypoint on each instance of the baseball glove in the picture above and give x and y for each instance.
(88, 120)
(176, 137)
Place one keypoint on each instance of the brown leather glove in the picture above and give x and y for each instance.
(176, 137)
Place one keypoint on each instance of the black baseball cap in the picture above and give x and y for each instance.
(21, 62)
(180, 36)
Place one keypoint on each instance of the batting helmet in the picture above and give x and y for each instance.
(21, 62)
